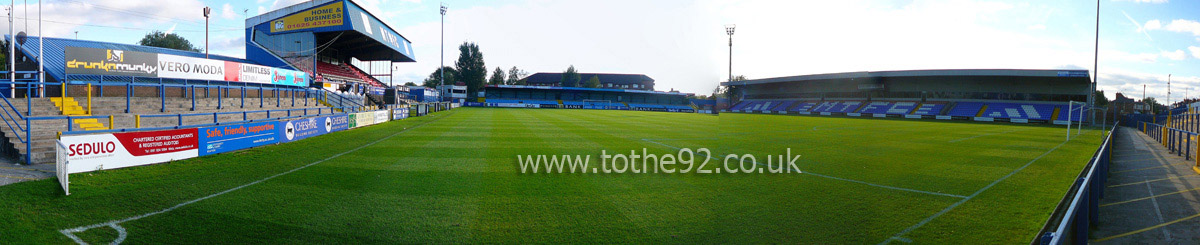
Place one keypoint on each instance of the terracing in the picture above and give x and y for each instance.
(108, 114)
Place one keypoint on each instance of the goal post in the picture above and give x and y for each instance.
(1075, 111)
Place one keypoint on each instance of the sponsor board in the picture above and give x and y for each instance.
(942, 117)
(984, 119)
(323, 16)
(118, 150)
(781, 112)
(351, 121)
(399, 113)
(303, 128)
(913, 116)
(110, 62)
(826, 113)
(1060, 122)
(474, 104)
(878, 115)
(805, 113)
(221, 139)
(381, 116)
(364, 119)
(854, 114)
(174, 66)
(1018, 120)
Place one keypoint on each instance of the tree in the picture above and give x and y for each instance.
(434, 78)
(167, 40)
(471, 69)
(593, 82)
(409, 84)
(570, 78)
(1101, 100)
(516, 76)
(497, 77)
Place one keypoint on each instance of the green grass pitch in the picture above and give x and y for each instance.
(452, 177)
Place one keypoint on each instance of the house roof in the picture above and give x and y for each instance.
(556, 77)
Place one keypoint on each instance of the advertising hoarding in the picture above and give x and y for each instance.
(118, 150)
(221, 139)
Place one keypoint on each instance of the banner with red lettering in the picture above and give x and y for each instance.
(93, 152)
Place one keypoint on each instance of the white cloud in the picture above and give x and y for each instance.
(1138, 25)
(227, 12)
(1195, 51)
(1184, 26)
(1153, 25)
(1122, 56)
(1176, 55)
(134, 14)
(1037, 27)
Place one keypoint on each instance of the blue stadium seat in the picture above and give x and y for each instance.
(782, 105)
(1019, 111)
(901, 108)
(966, 109)
(804, 107)
(877, 107)
(930, 108)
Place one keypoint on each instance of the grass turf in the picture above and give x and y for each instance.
(452, 177)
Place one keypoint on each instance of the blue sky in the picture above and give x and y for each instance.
(683, 46)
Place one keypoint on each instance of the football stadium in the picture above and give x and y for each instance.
(306, 140)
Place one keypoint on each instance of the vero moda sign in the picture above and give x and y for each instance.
(94, 152)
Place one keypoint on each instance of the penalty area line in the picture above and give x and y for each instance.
(900, 236)
(121, 233)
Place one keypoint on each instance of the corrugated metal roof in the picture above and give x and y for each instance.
(55, 52)
(917, 73)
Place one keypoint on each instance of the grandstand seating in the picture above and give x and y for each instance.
(525, 101)
(363, 75)
(803, 106)
(1019, 111)
(838, 106)
(782, 105)
(966, 109)
(930, 108)
(754, 105)
(877, 107)
(636, 106)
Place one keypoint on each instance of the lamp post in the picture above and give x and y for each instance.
(207, 11)
(729, 31)
(442, 62)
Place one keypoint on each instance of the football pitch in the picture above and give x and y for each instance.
(453, 177)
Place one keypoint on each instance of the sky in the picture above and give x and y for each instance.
(683, 44)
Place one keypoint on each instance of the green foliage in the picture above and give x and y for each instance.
(434, 78)
(1101, 100)
(165, 40)
(497, 77)
(570, 78)
(471, 69)
(516, 76)
(593, 82)
(410, 84)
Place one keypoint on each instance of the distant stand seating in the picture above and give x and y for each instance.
(345, 73)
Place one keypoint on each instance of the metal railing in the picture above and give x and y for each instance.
(1077, 212)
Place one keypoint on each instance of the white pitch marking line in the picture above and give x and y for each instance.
(977, 136)
(837, 178)
(115, 224)
(899, 236)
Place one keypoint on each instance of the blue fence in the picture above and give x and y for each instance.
(1077, 212)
